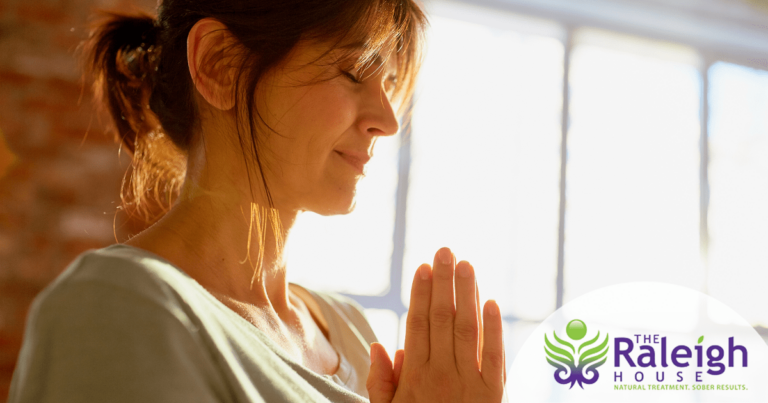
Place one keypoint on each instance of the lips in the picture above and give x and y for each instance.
(356, 159)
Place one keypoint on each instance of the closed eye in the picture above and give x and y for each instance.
(351, 77)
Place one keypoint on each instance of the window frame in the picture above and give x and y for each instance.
(741, 40)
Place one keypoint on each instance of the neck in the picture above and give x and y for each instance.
(206, 234)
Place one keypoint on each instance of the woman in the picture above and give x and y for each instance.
(197, 307)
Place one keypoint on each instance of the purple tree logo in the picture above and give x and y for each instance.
(564, 356)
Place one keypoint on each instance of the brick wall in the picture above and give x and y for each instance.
(60, 172)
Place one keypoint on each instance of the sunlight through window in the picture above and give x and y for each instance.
(351, 253)
(738, 175)
(485, 162)
(633, 164)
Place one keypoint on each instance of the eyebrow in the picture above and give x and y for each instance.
(359, 46)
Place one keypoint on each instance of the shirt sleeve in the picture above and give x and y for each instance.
(355, 313)
(88, 341)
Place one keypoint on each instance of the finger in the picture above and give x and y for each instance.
(398, 365)
(417, 322)
(493, 347)
(479, 322)
(465, 330)
(381, 379)
(442, 311)
(504, 352)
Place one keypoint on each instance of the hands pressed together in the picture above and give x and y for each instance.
(453, 352)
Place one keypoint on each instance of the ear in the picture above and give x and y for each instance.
(210, 57)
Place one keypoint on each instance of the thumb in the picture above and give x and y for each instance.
(399, 355)
(381, 378)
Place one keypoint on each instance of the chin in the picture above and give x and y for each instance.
(340, 206)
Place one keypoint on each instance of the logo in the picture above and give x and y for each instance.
(637, 341)
(680, 357)
(571, 363)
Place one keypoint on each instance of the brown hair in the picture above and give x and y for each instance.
(139, 64)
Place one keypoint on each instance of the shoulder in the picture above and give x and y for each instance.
(336, 301)
(120, 264)
(347, 310)
(113, 327)
(109, 301)
(349, 306)
(114, 276)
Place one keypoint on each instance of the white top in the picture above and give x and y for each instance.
(122, 324)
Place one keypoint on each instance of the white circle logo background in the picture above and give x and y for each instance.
(680, 314)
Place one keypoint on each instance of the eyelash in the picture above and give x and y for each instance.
(352, 77)
(392, 79)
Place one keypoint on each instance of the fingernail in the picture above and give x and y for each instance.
(424, 272)
(446, 257)
(373, 354)
(493, 309)
(463, 269)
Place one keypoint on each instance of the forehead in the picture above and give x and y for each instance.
(324, 54)
(356, 50)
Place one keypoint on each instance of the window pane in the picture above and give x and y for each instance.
(515, 335)
(385, 324)
(485, 162)
(633, 165)
(351, 253)
(738, 175)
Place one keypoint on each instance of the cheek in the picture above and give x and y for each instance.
(310, 121)
(329, 110)
(318, 120)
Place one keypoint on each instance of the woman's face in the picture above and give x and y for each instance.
(324, 131)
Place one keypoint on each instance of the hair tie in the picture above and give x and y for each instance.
(143, 59)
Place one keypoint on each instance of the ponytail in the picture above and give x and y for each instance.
(122, 54)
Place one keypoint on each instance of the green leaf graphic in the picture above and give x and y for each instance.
(587, 343)
(592, 355)
(563, 342)
(551, 354)
(701, 339)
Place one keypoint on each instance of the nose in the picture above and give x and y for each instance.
(378, 117)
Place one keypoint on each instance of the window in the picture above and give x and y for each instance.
(485, 162)
(738, 177)
(633, 164)
(559, 158)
